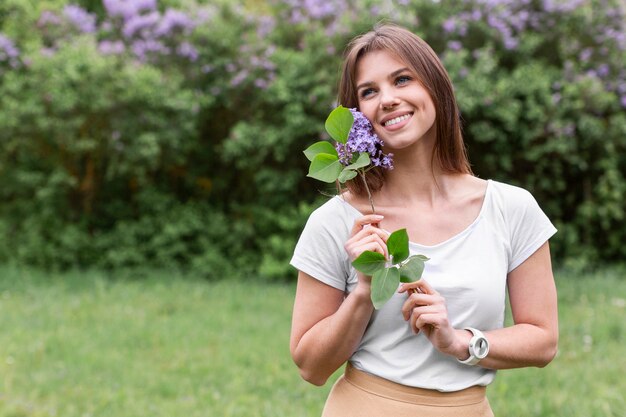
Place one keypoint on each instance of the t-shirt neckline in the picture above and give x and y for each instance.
(450, 239)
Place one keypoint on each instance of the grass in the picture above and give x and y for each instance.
(84, 344)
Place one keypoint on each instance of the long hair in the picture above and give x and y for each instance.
(449, 151)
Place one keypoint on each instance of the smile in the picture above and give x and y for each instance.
(396, 120)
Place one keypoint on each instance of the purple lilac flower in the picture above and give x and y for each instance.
(48, 18)
(143, 47)
(449, 25)
(140, 23)
(80, 18)
(127, 9)
(107, 47)
(455, 45)
(265, 26)
(362, 138)
(8, 50)
(172, 20)
(319, 9)
(188, 51)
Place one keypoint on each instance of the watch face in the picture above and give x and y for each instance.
(481, 348)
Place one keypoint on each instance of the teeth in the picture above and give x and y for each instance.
(397, 120)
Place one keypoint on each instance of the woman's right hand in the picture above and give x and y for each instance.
(366, 235)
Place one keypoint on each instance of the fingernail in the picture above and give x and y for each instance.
(378, 216)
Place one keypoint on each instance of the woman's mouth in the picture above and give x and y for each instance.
(397, 120)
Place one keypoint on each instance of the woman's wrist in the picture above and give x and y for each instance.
(363, 291)
(460, 348)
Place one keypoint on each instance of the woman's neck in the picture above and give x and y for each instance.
(416, 176)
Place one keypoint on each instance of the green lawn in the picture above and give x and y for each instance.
(78, 344)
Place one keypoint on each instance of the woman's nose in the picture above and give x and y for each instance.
(387, 98)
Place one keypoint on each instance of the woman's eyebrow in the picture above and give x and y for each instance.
(392, 75)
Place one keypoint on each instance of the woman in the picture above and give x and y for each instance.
(423, 353)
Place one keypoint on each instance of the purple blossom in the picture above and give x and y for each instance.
(141, 48)
(585, 54)
(80, 18)
(128, 9)
(455, 45)
(141, 24)
(172, 20)
(623, 101)
(260, 83)
(188, 51)
(8, 51)
(603, 70)
(362, 138)
(239, 78)
(48, 18)
(107, 47)
(449, 25)
(266, 26)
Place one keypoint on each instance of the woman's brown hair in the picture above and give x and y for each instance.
(449, 150)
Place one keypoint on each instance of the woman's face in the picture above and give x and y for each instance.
(395, 102)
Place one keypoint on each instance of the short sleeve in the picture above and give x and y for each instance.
(320, 249)
(529, 227)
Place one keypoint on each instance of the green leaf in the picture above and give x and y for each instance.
(398, 246)
(384, 285)
(325, 167)
(320, 147)
(369, 262)
(412, 270)
(339, 123)
(362, 161)
(346, 175)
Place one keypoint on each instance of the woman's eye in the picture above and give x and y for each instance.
(403, 79)
(366, 92)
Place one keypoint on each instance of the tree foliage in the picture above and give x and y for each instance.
(171, 134)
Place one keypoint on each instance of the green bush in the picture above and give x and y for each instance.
(174, 140)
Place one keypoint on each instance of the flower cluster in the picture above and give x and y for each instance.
(362, 138)
(141, 29)
(605, 33)
(9, 53)
(134, 26)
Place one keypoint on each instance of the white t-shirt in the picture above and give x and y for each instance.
(469, 270)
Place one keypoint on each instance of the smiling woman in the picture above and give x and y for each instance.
(434, 346)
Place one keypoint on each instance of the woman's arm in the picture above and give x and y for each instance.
(326, 329)
(327, 326)
(531, 341)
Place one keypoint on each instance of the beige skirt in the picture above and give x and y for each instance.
(359, 394)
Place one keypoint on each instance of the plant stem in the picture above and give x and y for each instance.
(338, 184)
(369, 194)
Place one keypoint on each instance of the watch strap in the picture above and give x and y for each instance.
(477, 337)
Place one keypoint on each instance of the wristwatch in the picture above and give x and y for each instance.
(478, 347)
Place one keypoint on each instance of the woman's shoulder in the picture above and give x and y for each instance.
(334, 212)
(510, 194)
(511, 200)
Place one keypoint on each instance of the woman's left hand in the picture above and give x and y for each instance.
(426, 311)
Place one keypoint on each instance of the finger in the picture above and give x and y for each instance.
(415, 301)
(369, 230)
(371, 238)
(372, 246)
(362, 221)
(426, 321)
(421, 286)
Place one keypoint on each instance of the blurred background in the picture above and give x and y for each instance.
(145, 138)
(169, 134)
